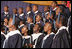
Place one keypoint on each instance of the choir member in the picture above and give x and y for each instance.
(29, 11)
(30, 25)
(39, 21)
(6, 25)
(36, 11)
(36, 34)
(21, 14)
(3, 36)
(21, 24)
(27, 41)
(61, 38)
(54, 5)
(6, 13)
(47, 40)
(15, 13)
(13, 38)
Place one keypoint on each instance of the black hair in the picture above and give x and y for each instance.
(15, 8)
(21, 8)
(2, 28)
(55, 2)
(35, 5)
(6, 6)
(39, 15)
(29, 7)
(6, 18)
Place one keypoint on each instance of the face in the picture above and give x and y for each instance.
(24, 30)
(28, 8)
(38, 18)
(20, 10)
(53, 4)
(10, 28)
(29, 20)
(58, 24)
(35, 28)
(5, 20)
(34, 8)
(45, 9)
(6, 9)
(47, 27)
(48, 16)
(14, 11)
(57, 11)
(21, 22)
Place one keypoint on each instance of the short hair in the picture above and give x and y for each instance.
(25, 26)
(15, 8)
(21, 8)
(6, 6)
(2, 28)
(29, 7)
(35, 5)
(55, 2)
(39, 15)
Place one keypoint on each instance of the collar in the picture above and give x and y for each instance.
(28, 12)
(48, 35)
(26, 37)
(3, 33)
(36, 12)
(37, 22)
(21, 25)
(46, 13)
(63, 27)
(11, 33)
(6, 12)
(36, 35)
(21, 14)
(54, 8)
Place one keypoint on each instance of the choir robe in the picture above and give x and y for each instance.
(3, 36)
(13, 40)
(17, 19)
(34, 38)
(5, 15)
(39, 41)
(30, 28)
(41, 24)
(20, 27)
(26, 41)
(47, 40)
(35, 14)
(22, 17)
(30, 13)
(69, 28)
(61, 38)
